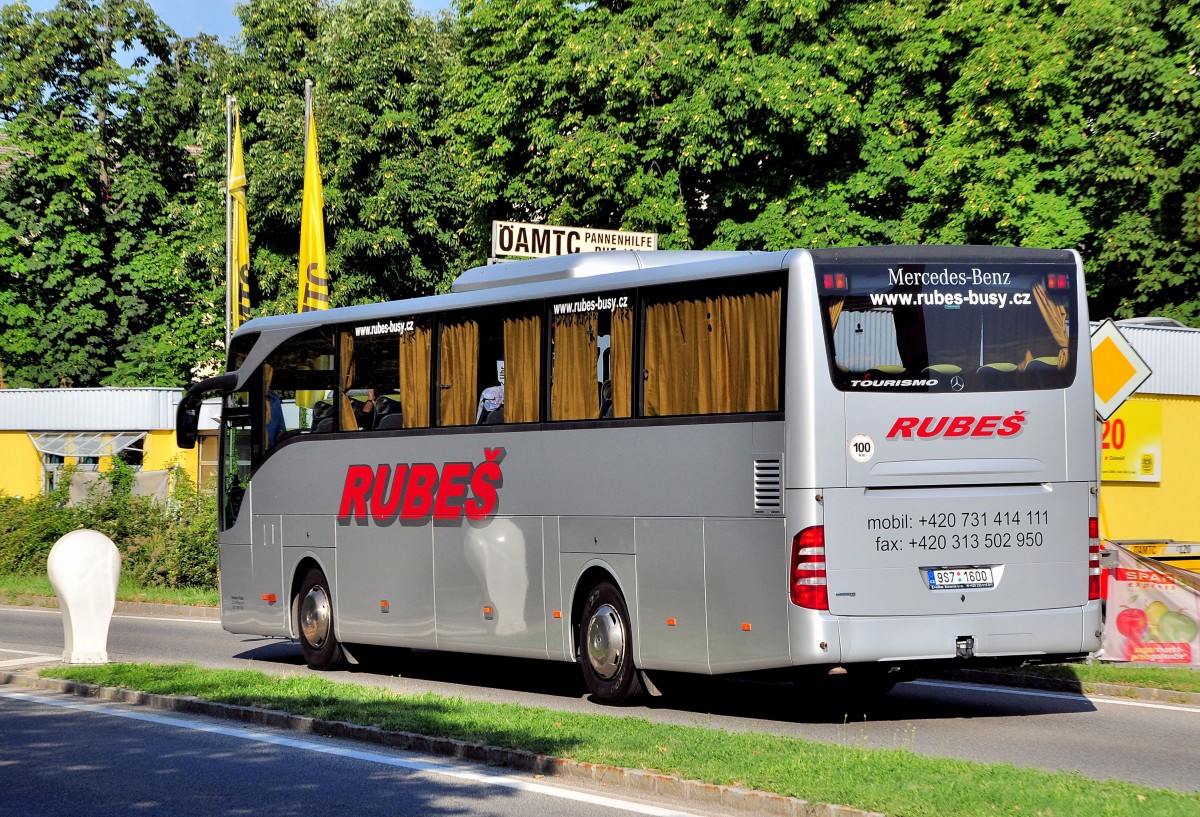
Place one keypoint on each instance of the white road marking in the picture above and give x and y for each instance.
(459, 771)
(35, 658)
(1060, 696)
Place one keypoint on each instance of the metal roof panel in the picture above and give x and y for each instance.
(98, 409)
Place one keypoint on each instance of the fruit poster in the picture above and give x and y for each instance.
(1153, 612)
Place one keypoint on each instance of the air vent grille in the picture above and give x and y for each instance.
(768, 484)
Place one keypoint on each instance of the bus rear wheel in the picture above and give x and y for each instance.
(605, 646)
(314, 617)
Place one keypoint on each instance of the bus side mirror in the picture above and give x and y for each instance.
(187, 415)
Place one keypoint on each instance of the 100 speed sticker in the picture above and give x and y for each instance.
(862, 448)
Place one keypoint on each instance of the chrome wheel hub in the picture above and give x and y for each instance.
(314, 617)
(605, 642)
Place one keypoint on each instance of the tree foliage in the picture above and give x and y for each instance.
(760, 124)
(94, 182)
(392, 200)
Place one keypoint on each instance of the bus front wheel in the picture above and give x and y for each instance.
(315, 619)
(605, 646)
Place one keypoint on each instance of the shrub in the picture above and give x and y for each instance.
(162, 544)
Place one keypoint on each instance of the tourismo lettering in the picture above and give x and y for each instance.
(928, 428)
(415, 491)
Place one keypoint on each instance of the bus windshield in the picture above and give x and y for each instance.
(967, 327)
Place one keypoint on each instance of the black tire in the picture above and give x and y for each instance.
(605, 647)
(314, 622)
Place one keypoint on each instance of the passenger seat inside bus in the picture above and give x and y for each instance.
(322, 417)
(1042, 364)
(388, 414)
(491, 403)
(887, 370)
(1041, 371)
(991, 375)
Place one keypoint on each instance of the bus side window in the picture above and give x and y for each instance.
(592, 362)
(296, 379)
(368, 382)
(714, 353)
(490, 367)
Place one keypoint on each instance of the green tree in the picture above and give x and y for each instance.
(804, 123)
(1137, 173)
(93, 103)
(392, 198)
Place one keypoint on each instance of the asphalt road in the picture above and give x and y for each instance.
(67, 756)
(1150, 743)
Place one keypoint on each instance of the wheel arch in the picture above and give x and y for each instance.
(299, 571)
(592, 575)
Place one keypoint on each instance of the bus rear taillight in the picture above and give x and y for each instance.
(1058, 281)
(808, 580)
(1094, 576)
(835, 282)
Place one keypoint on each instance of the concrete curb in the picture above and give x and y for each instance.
(125, 608)
(142, 608)
(688, 792)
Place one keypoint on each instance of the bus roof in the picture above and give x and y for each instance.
(578, 265)
(558, 276)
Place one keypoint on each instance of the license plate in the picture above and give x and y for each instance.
(959, 578)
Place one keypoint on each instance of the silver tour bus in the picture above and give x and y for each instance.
(864, 462)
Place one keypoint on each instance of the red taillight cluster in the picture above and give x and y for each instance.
(1058, 281)
(1094, 576)
(808, 581)
(835, 282)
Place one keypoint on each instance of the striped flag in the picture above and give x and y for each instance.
(239, 237)
(314, 280)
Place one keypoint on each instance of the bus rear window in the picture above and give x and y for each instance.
(986, 327)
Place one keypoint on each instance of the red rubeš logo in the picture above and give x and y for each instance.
(930, 428)
(420, 490)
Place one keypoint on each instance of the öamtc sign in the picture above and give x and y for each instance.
(521, 240)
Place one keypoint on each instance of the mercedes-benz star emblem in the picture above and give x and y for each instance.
(957, 383)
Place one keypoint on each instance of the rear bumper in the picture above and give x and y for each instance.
(902, 639)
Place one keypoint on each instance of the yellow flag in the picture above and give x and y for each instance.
(239, 237)
(314, 281)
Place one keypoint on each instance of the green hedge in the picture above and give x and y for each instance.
(162, 544)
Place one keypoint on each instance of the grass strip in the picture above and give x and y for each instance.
(36, 590)
(894, 781)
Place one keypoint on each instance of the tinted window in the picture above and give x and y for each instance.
(965, 327)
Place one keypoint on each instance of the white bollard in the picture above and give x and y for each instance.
(84, 568)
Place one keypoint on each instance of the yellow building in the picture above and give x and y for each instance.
(1150, 449)
(44, 430)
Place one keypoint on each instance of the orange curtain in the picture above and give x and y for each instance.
(459, 373)
(573, 394)
(835, 312)
(621, 362)
(672, 344)
(268, 376)
(348, 421)
(751, 324)
(414, 377)
(1055, 316)
(714, 356)
(522, 369)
